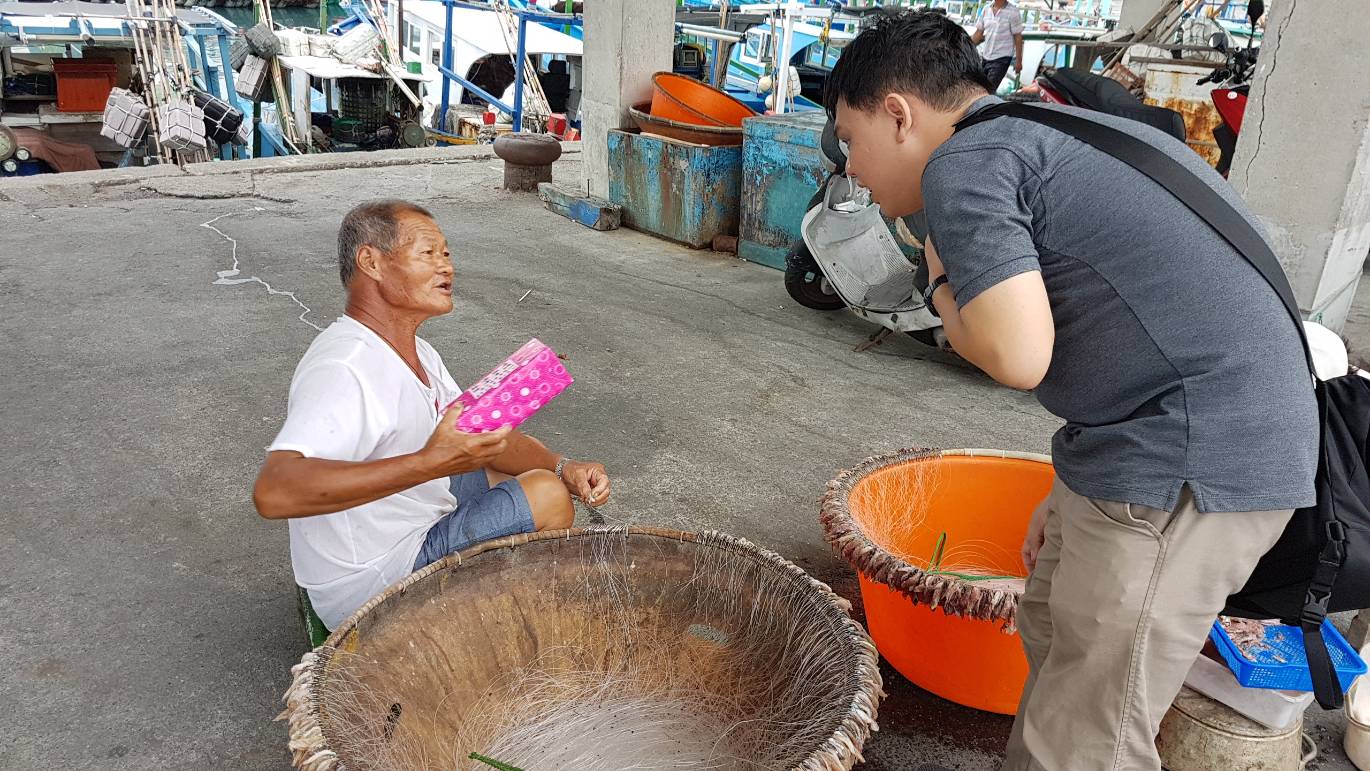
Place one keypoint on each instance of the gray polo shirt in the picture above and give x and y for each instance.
(1175, 363)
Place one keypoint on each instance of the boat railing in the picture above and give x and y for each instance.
(523, 17)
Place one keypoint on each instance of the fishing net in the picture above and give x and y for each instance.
(624, 648)
(943, 527)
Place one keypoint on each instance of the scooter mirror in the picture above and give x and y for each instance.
(834, 155)
(1255, 10)
(1218, 42)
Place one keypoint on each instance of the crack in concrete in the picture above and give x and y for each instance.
(228, 277)
(219, 196)
(1260, 124)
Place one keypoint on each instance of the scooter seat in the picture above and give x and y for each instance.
(1106, 95)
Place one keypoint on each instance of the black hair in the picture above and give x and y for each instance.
(921, 52)
(374, 223)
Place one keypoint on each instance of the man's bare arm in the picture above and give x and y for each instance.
(977, 37)
(291, 485)
(523, 455)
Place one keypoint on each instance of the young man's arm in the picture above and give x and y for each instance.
(980, 210)
(1007, 330)
(293, 485)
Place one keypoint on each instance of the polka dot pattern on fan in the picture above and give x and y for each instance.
(520, 386)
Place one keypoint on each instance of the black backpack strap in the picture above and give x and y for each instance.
(1227, 222)
(1326, 687)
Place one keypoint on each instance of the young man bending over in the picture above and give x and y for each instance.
(1191, 427)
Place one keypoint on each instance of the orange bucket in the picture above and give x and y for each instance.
(686, 100)
(943, 527)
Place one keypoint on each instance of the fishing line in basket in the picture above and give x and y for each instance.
(970, 560)
(607, 700)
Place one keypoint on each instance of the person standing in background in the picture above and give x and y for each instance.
(1000, 29)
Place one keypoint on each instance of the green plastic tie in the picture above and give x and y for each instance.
(492, 762)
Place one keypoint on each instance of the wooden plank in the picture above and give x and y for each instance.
(593, 213)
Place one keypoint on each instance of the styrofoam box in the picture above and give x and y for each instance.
(125, 119)
(293, 42)
(244, 136)
(262, 40)
(1271, 708)
(182, 125)
(251, 81)
(357, 43)
(321, 45)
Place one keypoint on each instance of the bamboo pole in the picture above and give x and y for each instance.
(145, 70)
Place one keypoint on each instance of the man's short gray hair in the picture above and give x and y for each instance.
(374, 223)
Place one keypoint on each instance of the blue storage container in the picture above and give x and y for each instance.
(1281, 663)
(782, 168)
(680, 191)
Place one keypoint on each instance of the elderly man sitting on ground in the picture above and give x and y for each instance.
(375, 480)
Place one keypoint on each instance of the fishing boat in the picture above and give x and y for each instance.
(484, 46)
(60, 60)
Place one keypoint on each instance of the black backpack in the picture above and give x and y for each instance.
(1321, 564)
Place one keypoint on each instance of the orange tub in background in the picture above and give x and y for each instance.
(949, 522)
(686, 100)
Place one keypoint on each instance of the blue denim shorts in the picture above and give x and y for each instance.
(483, 512)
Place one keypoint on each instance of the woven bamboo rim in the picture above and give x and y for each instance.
(310, 749)
(997, 602)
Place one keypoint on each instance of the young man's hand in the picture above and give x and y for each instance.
(1036, 535)
(451, 451)
(587, 481)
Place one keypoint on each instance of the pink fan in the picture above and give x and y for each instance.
(514, 390)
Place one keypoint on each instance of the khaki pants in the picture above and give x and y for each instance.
(1112, 617)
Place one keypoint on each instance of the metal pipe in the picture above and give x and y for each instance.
(710, 33)
(446, 66)
(540, 16)
(477, 90)
(520, 66)
(230, 92)
(782, 62)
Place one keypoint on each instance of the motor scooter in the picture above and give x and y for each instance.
(1233, 79)
(849, 256)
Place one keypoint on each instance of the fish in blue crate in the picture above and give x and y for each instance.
(1265, 654)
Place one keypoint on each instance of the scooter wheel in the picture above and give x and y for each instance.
(933, 338)
(926, 337)
(806, 284)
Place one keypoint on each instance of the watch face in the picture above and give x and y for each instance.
(8, 142)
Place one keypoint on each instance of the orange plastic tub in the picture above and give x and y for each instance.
(686, 100)
(946, 527)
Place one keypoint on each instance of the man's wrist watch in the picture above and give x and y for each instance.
(561, 466)
(933, 286)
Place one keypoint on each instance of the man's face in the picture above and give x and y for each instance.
(417, 273)
(887, 153)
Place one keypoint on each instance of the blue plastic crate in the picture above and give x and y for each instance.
(1281, 663)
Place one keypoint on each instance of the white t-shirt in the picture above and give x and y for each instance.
(999, 27)
(353, 398)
